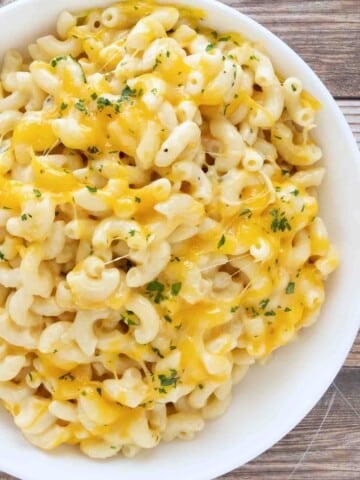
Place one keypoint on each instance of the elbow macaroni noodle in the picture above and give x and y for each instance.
(159, 229)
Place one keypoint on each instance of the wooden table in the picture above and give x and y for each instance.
(326, 444)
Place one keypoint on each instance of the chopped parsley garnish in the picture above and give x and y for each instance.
(270, 313)
(290, 288)
(132, 232)
(2, 256)
(64, 106)
(80, 105)
(169, 380)
(137, 199)
(103, 102)
(157, 351)
(224, 39)
(56, 60)
(99, 391)
(91, 189)
(295, 192)
(127, 93)
(67, 376)
(174, 258)
(209, 47)
(154, 91)
(246, 212)
(94, 96)
(157, 62)
(254, 57)
(93, 149)
(234, 309)
(222, 241)
(287, 309)
(168, 318)
(293, 87)
(155, 290)
(37, 193)
(264, 303)
(279, 222)
(175, 289)
(130, 318)
(25, 216)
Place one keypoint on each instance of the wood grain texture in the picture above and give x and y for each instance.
(326, 33)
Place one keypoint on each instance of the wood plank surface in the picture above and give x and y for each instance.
(326, 33)
(326, 444)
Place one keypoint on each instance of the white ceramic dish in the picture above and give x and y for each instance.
(274, 398)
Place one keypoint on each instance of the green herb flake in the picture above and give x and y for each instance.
(56, 60)
(270, 313)
(103, 102)
(24, 217)
(295, 192)
(132, 233)
(157, 351)
(37, 193)
(129, 319)
(224, 39)
(94, 96)
(175, 289)
(234, 309)
(63, 106)
(169, 380)
(93, 150)
(222, 241)
(279, 222)
(80, 105)
(2, 257)
(254, 57)
(287, 309)
(137, 200)
(91, 189)
(290, 288)
(209, 47)
(293, 87)
(127, 93)
(168, 318)
(155, 290)
(67, 376)
(99, 391)
(264, 303)
(246, 212)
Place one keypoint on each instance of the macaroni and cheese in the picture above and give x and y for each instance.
(159, 225)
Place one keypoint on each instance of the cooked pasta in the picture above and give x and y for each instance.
(159, 225)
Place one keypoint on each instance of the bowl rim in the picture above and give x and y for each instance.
(230, 462)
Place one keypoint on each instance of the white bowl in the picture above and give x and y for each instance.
(273, 398)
